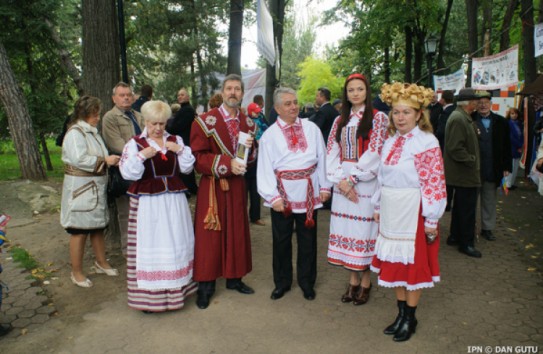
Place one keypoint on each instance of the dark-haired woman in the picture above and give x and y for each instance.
(352, 163)
(84, 206)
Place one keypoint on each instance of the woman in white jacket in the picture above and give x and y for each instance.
(84, 201)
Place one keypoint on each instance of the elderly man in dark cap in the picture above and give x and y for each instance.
(461, 157)
(496, 160)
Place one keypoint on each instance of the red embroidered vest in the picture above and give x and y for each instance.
(160, 175)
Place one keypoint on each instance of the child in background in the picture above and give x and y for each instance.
(254, 111)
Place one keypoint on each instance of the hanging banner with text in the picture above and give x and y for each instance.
(496, 71)
(453, 82)
(538, 39)
(264, 23)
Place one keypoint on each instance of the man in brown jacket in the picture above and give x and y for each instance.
(119, 125)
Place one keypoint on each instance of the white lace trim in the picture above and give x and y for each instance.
(408, 287)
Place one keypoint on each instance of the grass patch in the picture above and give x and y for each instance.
(28, 262)
(9, 163)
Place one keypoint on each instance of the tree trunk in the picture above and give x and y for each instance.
(540, 19)
(46, 155)
(20, 125)
(419, 59)
(65, 58)
(486, 33)
(277, 11)
(101, 69)
(527, 17)
(441, 51)
(408, 53)
(506, 25)
(235, 37)
(471, 14)
(199, 62)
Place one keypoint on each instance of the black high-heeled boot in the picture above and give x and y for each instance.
(407, 326)
(394, 326)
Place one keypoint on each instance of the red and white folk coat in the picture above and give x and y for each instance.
(225, 252)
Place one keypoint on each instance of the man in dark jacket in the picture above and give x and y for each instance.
(324, 118)
(447, 97)
(145, 95)
(495, 151)
(461, 160)
(181, 124)
(448, 107)
(435, 108)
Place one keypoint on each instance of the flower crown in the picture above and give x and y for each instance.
(410, 95)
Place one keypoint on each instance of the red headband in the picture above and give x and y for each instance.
(356, 76)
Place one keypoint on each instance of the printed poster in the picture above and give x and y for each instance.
(495, 71)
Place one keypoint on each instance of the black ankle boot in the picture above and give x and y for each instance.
(407, 326)
(394, 326)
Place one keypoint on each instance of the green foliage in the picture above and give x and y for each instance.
(298, 41)
(164, 40)
(25, 259)
(9, 163)
(34, 57)
(28, 262)
(316, 73)
(379, 24)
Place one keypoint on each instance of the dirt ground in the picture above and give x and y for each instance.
(41, 234)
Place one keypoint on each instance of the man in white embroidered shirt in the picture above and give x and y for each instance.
(291, 178)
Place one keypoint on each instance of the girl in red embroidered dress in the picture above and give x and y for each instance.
(410, 201)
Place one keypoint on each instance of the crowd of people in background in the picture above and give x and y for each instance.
(387, 167)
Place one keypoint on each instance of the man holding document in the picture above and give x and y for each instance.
(222, 143)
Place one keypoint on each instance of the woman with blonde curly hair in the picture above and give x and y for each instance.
(411, 200)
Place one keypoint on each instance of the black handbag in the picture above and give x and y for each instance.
(117, 185)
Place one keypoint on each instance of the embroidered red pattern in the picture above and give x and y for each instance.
(352, 244)
(295, 137)
(429, 165)
(378, 133)
(165, 274)
(332, 137)
(395, 152)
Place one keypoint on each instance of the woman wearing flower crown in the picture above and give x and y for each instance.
(352, 163)
(411, 199)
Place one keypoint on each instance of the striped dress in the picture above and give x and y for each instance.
(353, 231)
(160, 253)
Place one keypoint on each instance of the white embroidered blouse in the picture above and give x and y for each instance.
(367, 166)
(288, 148)
(414, 161)
(131, 164)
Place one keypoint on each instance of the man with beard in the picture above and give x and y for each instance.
(222, 238)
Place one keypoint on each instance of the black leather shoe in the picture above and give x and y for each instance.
(470, 251)
(408, 325)
(309, 294)
(487, 234)
(278, 293)
(203, 300)
(241, 287)
(451, 241)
